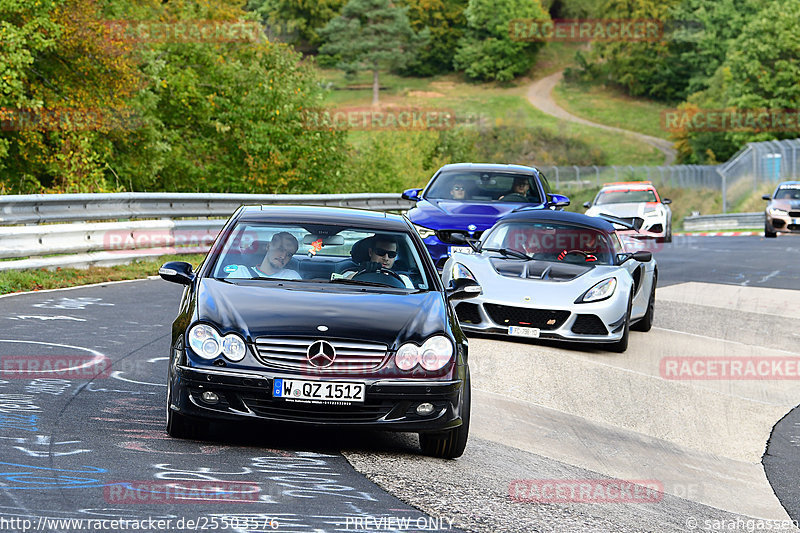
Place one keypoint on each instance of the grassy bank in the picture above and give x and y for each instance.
(36, 280)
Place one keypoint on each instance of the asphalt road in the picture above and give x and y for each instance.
(92, 446)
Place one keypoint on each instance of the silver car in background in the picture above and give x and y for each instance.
(559, 275)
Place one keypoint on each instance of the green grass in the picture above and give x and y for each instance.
(36, 280)
(612, 107)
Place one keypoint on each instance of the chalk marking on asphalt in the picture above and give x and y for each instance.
(770, 275)
(117, 374)
(156, 359)
(98, 358)
(51, 317)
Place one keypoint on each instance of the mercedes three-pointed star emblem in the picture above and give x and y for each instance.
(321, 354)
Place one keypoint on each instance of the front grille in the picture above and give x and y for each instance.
(793, 227)
(445, 235)
(545, 319)
(468, 313)
(291, 353)
(589, 325)
(794, 214)
(308, 412)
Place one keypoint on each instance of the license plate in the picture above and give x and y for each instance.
(521, 331)
(460, 250)
(296, 389)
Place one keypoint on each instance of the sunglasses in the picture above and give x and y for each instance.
(380, 252)
(457, 188)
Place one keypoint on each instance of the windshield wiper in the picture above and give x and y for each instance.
(509, 253)
(356, 282)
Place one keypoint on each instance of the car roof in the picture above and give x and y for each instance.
(781, 184)
(304, 214)
(643, 185)
(549, 215)
(496, 167)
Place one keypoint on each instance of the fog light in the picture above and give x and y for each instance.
(211, 397)
(424, 409)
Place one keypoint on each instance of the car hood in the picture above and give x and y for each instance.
(255, 309)
(448, 214)
(624, 210)
(786, 205)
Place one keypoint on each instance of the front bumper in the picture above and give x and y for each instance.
(591, 322)
(389, 403)
(783, 223)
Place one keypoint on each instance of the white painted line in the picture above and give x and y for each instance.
(117, 374)
(79, 286)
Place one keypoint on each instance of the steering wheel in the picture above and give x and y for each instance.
(514, 197)
(379, 276)
(589, 258)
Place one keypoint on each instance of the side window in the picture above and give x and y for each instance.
(545, 183)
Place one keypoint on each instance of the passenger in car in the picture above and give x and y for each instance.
(280, 251)
(458, 190)
(383, 253)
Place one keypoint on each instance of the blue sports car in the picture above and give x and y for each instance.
(467, 198)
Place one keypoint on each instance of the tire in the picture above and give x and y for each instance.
(668, 238)
(767, 233)
(181, 426)
(451, 443)
(621, 345)
(646, 322)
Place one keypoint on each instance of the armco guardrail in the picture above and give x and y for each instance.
(35, 227)
(727, 221)
(43, 208)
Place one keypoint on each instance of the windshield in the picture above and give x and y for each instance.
(552, 242)
(791, 192)
(320, 255)
(475, 186)
(626, 196)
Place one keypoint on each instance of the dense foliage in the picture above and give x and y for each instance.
(488, 51)
(197, 113)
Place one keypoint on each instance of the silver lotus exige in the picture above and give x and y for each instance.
(554, 274)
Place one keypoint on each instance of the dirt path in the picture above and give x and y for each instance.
(540, 94)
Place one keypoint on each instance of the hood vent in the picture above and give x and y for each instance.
(543, 270)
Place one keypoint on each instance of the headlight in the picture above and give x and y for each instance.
(208, 344)
(459, 271)
(601, 291)
(424, 232)
(407, 356)
(651, 211)
(775, 211)
(434, 354)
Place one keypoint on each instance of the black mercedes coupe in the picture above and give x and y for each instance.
(320, 316)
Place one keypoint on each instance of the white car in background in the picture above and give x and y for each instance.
(635, 199)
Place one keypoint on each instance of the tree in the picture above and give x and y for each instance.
(760, 72)
(488, 51)
(371, 35)
(306, 17)
(445, 21)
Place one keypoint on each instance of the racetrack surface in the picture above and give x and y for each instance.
(541, 411)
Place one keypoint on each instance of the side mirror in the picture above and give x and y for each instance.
(177, 272)
(458, 238)
(766, 197)
(557, 200)
(463, 288)
(587, 205)
(642, 256)
(411, 194)
(666, 201)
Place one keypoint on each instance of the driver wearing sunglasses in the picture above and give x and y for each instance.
(384, 252)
